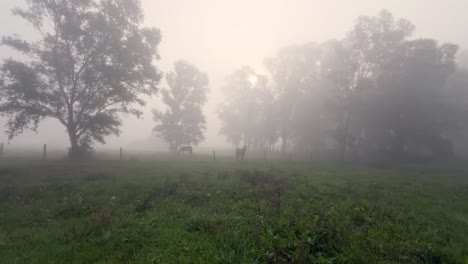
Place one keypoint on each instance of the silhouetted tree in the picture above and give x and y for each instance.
(374, 92)
(457, 89)
(94, 61)
(368, 46)
(243, 113)
(292, 70)
(462, 59)
(412, 110)
(270, 121)
(183, 122)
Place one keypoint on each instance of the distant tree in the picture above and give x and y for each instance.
(367, 47)
(94, 61)
(292, 71)
(312, 121)
(372, 91)
(457, 97)
(243, 113)
(183, 122)
(462, 59)
(412, 110)
(270, 121)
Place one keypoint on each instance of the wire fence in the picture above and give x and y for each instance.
(46, 152)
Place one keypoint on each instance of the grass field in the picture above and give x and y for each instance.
(199, 211)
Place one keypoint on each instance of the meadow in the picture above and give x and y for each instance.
(195, 210)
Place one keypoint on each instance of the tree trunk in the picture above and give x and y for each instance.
(284, 143)
(74, 151)
(345, 139)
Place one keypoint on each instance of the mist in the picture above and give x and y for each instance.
(222, 36)
(219, 131)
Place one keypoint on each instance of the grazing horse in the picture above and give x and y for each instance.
(184, 149)
(240, 153)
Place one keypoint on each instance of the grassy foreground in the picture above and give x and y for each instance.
(226, 212)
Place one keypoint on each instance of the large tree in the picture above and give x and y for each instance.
(368, 46)
(412, 109)
(183, 122)
(93, 62)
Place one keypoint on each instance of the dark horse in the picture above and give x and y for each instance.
(184, 149)
(240, 153)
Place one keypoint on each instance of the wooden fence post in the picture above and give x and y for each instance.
(121, 154)
(1, 150)
(214, 155)
(44, 152)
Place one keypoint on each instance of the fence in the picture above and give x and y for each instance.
(43, 152)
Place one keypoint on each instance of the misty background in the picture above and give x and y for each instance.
(222, 36)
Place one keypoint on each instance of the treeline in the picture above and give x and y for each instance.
(376, 94)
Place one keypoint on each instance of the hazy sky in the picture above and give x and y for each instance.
(221, 35)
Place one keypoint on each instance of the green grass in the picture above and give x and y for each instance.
(205, 212)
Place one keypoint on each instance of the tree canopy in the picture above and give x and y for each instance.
(183, 122)
(94, 61)
(243, 114)
(375, 93)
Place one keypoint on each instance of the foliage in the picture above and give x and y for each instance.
(375, 94)
(244, 115)
(93, 62)
(183, 122)
(292, 71)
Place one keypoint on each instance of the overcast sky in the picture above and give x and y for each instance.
(220, 36)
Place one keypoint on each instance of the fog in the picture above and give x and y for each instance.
(222, 36)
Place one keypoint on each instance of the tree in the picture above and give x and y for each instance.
(94, 62)
(270, 121)
(372, 91)
(243, 114)
(412, 109)
(292, 70)
(457, 89)
(403, 106)
(183, 122)
(462, 59)
(367, 47)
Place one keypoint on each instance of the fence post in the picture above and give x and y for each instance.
(1, 150)
(121, 154)
(44, 152)
(214, 155)
(265, 155)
